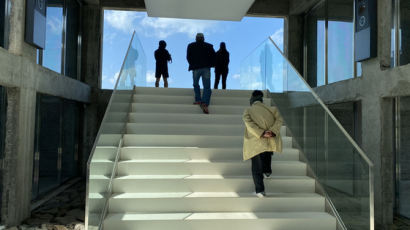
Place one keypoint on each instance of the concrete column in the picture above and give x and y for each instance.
(17, 26)
(293, 40)
(384, 22)
(18, 159)
(92, 30)
(91, 68)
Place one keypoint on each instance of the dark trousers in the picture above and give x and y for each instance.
(261, 164)
(218, 77)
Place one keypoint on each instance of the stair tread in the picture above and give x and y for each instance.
(205, 177)
(216, 215)
(210, 195)
(200, 161)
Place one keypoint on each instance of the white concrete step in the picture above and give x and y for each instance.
(182, 118)
(109, 140)
(122, 97)
(211, 154)
(190, 92)
(198, 141)
(181, 108)
(205, 183)
(181, 129)
(214, 202)
(117, 117)
(122, 107)
(222, 221)
(189, 99)
(105, 153)
(149, 167)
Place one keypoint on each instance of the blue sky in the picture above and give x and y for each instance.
(241, 39)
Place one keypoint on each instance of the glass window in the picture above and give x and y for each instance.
(403, 157)
(52, 54)
(71, 50)
(340, 40)
(2, 22)
(56, 143)
(316, 46)
(404, 32)
(70, 140)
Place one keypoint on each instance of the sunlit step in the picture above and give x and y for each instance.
(222, 221)
(144, 167)
(183, 129)
(214, 202)
(198, 141)
(189, 99)
(207, 183)
(190, 92)
(181, 153)
(182, 108)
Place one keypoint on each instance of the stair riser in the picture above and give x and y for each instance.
(168, 99)
(190, 141)
(190, 109)
(278, 169)
(269, 224)
(179, 118)
(190, 92)
(251, 204)
(182, 129)
(199, 154)
(211, 185)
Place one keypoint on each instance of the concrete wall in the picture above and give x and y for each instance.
(24, 79)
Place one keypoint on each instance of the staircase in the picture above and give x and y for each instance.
(181, 169)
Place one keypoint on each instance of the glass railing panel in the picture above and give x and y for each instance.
(104, 156)
(340, 166)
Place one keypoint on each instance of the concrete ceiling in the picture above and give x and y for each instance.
(229, 10)
(264, 8)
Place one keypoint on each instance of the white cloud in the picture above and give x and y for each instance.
(236, 76)
(277, 37)
(55, 24)
(113, 79)
(165, 27)
(122, 20)
(150, 76)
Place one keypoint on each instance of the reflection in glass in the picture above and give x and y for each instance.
(404, 33)
(48, 142)
(2, 22)
(316, 46)
(340, 51)
(54, 37)
(71, 49)
(403, 158)
(70, 140)
(340, 40)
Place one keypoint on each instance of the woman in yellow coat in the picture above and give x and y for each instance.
(261, 139)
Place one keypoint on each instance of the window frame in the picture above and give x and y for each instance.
(326, 43)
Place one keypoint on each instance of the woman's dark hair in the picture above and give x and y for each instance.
(257, 93)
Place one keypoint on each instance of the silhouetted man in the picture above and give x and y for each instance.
(201, 57)
(221, 65)
(162, 58)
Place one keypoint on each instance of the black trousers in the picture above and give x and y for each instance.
(218, 77)
(261, 163)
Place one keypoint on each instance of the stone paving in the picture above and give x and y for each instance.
(64, 212)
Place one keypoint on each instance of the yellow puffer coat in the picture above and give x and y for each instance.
(259, 118)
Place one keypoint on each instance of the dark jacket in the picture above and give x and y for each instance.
(162, 57)
(221, 61)
(200, 55)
